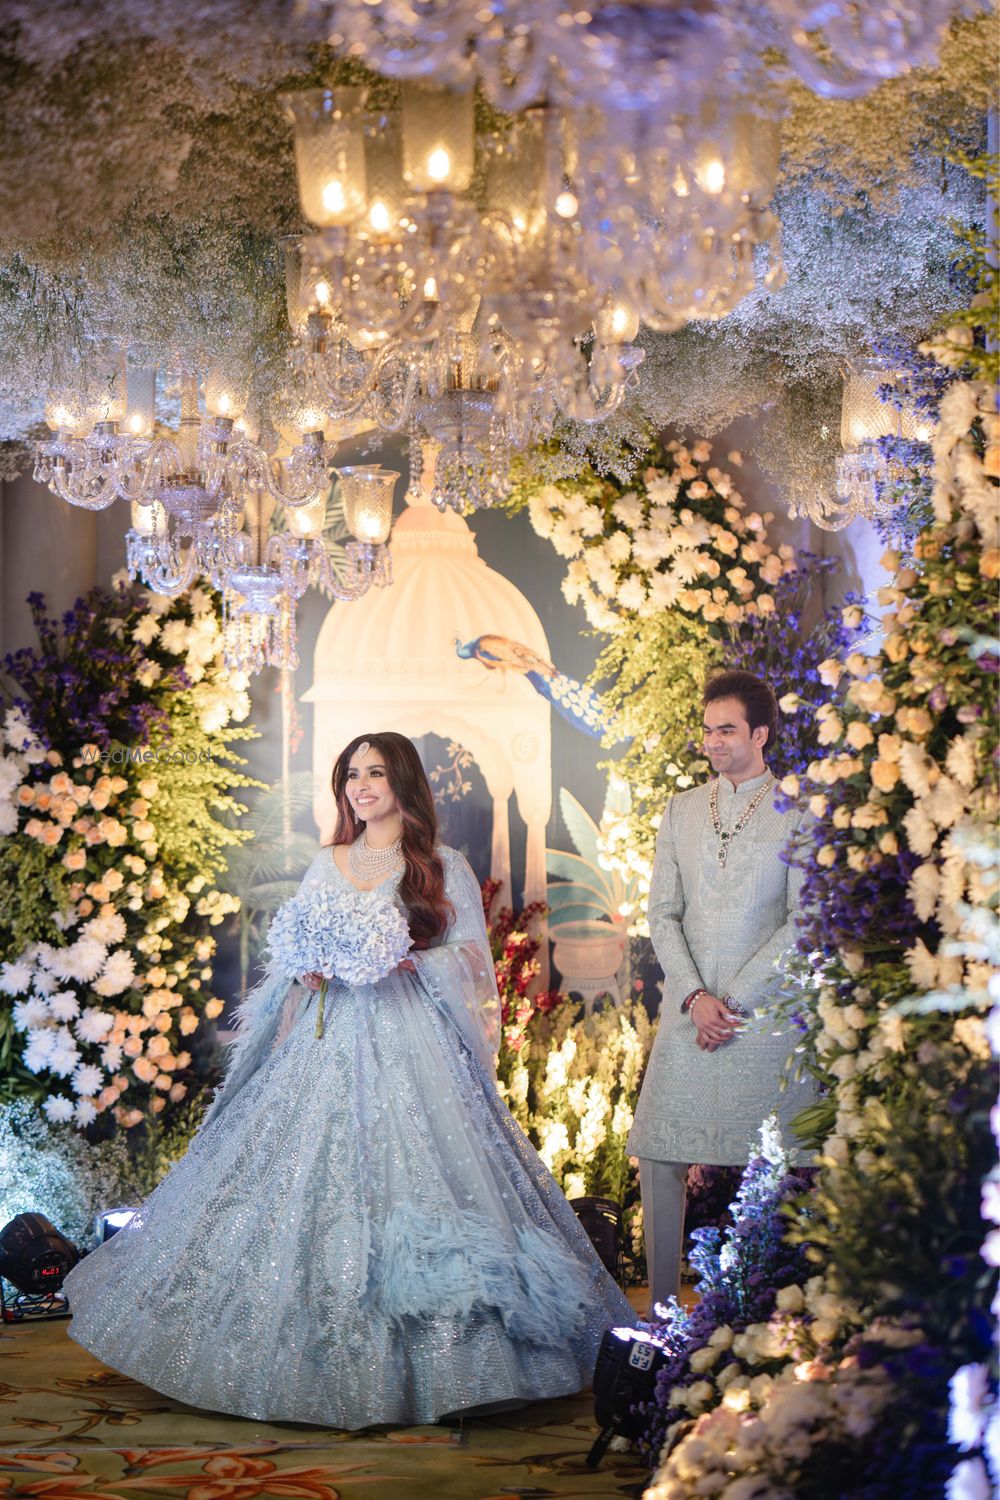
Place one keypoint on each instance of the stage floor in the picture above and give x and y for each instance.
(71, 1429)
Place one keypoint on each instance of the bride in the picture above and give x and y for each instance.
(360, 1233)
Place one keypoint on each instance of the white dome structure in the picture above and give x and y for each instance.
(389, 661)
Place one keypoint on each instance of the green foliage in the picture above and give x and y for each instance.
(653, 672)
(898, 1223)
(42, 887)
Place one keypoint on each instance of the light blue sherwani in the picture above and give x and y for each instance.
(724, 929)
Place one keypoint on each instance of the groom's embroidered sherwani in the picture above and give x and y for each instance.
(724, 929)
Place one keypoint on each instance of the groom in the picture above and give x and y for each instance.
(721, 916)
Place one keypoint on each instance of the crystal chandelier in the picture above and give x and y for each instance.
(868, 471)
(632, 55)
(204, 503)
(276, 568)
(482, 292)
(207, 465)
(485, 290)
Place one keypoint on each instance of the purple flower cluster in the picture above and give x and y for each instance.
(906, 1452)
(919, 382)
(786, 648)
(917, 388)
(843, 908)
(740, 1268)
(80, 685)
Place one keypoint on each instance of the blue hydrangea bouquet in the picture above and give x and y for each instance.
(356, 936)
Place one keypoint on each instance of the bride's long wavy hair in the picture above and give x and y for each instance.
(422, 883)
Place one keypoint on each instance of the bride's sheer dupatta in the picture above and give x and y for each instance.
(458, 975)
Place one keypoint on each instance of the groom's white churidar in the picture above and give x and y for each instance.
(721, 926)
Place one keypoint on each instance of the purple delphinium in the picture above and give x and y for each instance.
(786, 649)
(80, 685)
(740, 1269)
(919, 382)
(845, 908)
(917, 386)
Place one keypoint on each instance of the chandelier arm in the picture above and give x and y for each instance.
(84, 494)
(163, 462)
(834, 515)
(129, 474)
(314, 482)
(391, 421)
(819, 77)
(168, 570)
(342, 408)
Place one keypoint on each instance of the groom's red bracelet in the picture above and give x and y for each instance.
(687, 1003)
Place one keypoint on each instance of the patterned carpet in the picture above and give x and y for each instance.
(70, 1429)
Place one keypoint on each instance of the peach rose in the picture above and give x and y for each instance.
(859, 735)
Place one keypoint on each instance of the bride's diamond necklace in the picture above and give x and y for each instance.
(372, 864)
(726, 836)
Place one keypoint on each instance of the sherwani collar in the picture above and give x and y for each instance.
(746, 789)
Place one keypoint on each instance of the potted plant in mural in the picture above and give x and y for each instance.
(591, 903)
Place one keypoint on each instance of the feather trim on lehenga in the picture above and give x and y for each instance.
(458, 1265)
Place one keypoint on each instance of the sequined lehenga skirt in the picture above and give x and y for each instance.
(361, 1235)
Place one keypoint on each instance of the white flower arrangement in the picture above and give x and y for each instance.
(641, 552)
(356, 936)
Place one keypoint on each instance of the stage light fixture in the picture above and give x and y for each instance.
(35, 1257)
(110, 1220)
(628, 1363)
(602, 1219)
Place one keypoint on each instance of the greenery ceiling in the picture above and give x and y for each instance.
(147, 173)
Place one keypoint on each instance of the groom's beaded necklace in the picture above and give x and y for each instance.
(726, 836)
(373, 864)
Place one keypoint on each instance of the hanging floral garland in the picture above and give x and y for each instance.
(115, 765)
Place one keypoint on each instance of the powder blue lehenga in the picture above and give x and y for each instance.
(359, 1233)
